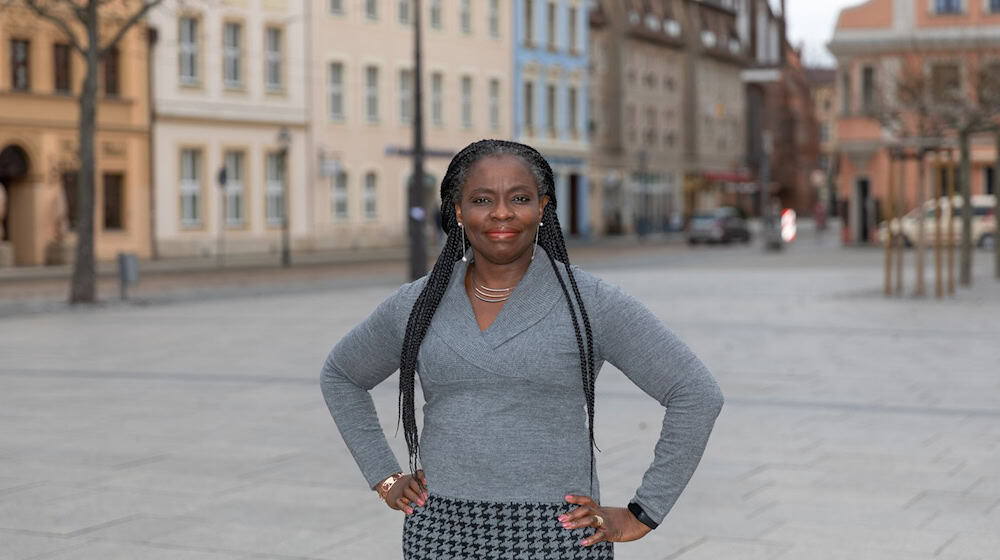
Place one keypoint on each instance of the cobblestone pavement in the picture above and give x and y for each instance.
(855, 427)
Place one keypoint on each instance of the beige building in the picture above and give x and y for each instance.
(362, 106)
(40, 77)
(822, 83)
(229, 136)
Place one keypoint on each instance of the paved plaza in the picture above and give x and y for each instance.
(855, 427)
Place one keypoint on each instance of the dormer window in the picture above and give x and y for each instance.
(652, 22)
(671, 27)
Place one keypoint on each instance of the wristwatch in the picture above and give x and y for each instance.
(382, 488)
(640, 514)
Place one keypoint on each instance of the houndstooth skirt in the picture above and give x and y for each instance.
(453, 529)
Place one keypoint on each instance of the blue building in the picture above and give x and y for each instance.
(550, 97)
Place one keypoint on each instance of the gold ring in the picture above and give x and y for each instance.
(600, 520)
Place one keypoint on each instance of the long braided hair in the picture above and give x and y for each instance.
(550, 238)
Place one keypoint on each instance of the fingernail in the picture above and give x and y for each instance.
(584, 542)
(421, 502)
(566, 525)
(568, 496)
(562, 518)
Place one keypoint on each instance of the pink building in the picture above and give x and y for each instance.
(948, 42)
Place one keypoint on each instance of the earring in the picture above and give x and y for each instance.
(461, 226)
(540, 224)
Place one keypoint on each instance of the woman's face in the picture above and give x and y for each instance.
(500, 207)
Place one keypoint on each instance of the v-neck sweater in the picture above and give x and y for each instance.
(504, 415)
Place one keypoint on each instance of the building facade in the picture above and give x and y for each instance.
(823, 85)
(40, 80)
(361, 109)
(550, 45)
(229, 135)
(947, 44)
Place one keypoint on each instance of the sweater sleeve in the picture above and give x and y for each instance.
(635, 341)
(365, 357)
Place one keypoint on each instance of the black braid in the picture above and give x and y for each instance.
(550, 238)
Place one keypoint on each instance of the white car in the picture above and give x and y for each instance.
(984, 223)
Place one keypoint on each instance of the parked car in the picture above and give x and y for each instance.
(984, 223)
(720, 225)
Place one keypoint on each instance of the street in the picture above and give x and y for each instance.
(192, 427)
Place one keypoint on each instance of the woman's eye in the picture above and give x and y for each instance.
(480, 200)
(522, 199)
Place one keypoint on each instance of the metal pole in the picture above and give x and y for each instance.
(938, 273)
(772, 242)
(286, 250)
(887, 288)
(951, 222)
(921, 238)
(417, 215)
(900, 212)
(221, 179)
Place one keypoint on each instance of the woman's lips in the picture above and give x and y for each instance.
(501, 233)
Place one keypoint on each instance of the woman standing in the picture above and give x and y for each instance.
(508, 338)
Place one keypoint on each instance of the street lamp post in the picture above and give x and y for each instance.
(284, 141)
(415, 194)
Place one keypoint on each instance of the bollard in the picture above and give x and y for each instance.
(128, 272)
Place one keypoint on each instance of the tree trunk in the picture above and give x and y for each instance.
(921, 197)
(965, 175)
(84, 285)
(891, 215)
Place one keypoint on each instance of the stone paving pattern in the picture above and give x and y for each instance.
(855, 427)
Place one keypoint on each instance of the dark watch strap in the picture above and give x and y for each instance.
(639, 514)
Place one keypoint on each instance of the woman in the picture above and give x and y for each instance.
(508, 338)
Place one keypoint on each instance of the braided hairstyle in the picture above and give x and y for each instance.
(550, 238)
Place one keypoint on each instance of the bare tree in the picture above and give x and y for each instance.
(969, 109)
(93, 28)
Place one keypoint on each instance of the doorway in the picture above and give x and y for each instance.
(16, 225)
(862, 210)
(574, 204)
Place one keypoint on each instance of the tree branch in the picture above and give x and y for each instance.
(46, 14)
(132, 20)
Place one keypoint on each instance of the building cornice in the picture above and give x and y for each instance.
(858, 42)
(229, 113)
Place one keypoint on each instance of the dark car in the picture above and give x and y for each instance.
(720, 225)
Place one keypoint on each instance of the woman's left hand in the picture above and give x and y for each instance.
(613, 524)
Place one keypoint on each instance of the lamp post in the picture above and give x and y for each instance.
(415, 192)
(284, 141)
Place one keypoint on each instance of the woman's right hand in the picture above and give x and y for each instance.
(408, 491)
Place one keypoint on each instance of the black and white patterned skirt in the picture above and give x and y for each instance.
(452, 529)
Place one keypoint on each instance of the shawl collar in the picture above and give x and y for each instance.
(530, 301)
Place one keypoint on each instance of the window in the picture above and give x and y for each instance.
(494, 103)
(113, 201)
(405, 96)
(550, 107)
(232, 55)
(494, 22)
(824, 132)
(845, 93)
(529, 23)
(188, 43)
(437, 84)
(190, 187)
(336, 91)
(436, 14)
(868, 88)
(370, 194)
(993, 6)
(948, 6)
(69, 179)
(61, 67)
(234, 188)
(466, 101)
(465, 16)
(989, 178)
(529, 106)
(551, 22)
(273, 59)
(339, 196)
(404, 11)
(20, 78)
(371, 93)
(109, 67)
(572, 30)
(275, 189)
(945, 81)
(371, 9)
(571, 109)
(336, 6)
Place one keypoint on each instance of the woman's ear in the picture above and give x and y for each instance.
(541, 205)
(458, 212)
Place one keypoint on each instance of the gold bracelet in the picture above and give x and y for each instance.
(382, 488)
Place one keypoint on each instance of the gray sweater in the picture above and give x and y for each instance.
(504, 416)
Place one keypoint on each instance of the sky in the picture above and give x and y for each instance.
(811, 22)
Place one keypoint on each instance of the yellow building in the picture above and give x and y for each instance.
(40, 79)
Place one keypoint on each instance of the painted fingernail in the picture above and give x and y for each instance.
(562, 517)
(420, 502)
(566, 526)
(584, 542)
